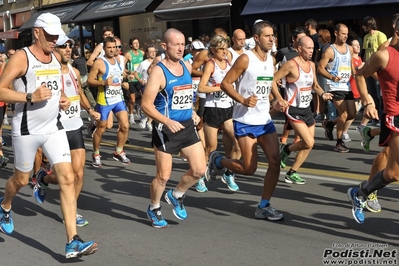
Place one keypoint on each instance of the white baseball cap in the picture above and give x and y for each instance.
(190, 39)
(197, 45)
(257, 21)
(62, 39)
(50, 23)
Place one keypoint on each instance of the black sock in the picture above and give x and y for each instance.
(339, 141)
(286, 149)
(377, 182)
(290, 172)
(369, 134)
(228, 172)
(330, 124)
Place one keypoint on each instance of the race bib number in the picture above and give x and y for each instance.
(113, 91)
(219, 96)
(51, 78)
(182, 98)
(306, 97)
(196, 81)
(73, 110)
(263, 88)
(344, 73)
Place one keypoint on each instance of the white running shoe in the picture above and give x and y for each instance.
(142, 123)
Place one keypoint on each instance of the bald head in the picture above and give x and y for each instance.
(239, 33)
(305, 40)
(238, 39)
(170, 34)
(305, 47)
(173, 43)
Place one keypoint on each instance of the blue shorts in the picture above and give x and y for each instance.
(242, 130)
(104, 110)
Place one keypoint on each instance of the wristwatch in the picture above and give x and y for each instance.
(29, 97)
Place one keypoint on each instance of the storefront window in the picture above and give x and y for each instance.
(141, 26)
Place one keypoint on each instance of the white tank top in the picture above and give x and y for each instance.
(122, 63)
(340, 66)
(70, 118)
(299, 92)
(234, 55)
(102, 53)
(256, 80)
(218, 99)
(113, 92)
(40, 117)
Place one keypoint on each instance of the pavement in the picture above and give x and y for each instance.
(220, 228)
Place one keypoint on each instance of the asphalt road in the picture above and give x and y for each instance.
(220, 228)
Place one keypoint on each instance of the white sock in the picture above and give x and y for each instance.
(6, 210)
(154, 206)
(177, 193)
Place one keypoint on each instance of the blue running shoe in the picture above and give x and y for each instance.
(268, 212)
(357, 205)
(178, 207)
(230, 182)
(80, 221)
(212, 170)
(39, 190)
(78, 248)
(156, 218)
(6, 223)
(200, 185)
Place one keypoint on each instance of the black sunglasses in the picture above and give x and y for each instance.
(65, 45)
(119, 46)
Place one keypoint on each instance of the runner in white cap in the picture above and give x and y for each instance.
(36, 75)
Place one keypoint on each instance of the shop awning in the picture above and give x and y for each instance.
(172, 10)
(283, 11)
(104, 9)
(10, 34)
(262, 6)
(65, 13)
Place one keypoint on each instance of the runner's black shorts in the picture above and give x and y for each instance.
(215, 117)
(75, 139)
(299, 115)
(173, 143)
(342, 95)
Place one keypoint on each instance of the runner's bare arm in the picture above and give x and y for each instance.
(325, 58)
(201, 58)
(96, 52)
(208, 70)
(234, 73)
(15, 68)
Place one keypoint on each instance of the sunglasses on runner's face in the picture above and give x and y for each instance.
(65, 45)
(119, 46)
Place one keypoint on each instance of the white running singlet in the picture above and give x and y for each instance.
(340, 66)
(234, 55)
(113, 92)
(299, 92)
(40, 117)
(256, 80)
(218, 99)
(70, 118)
